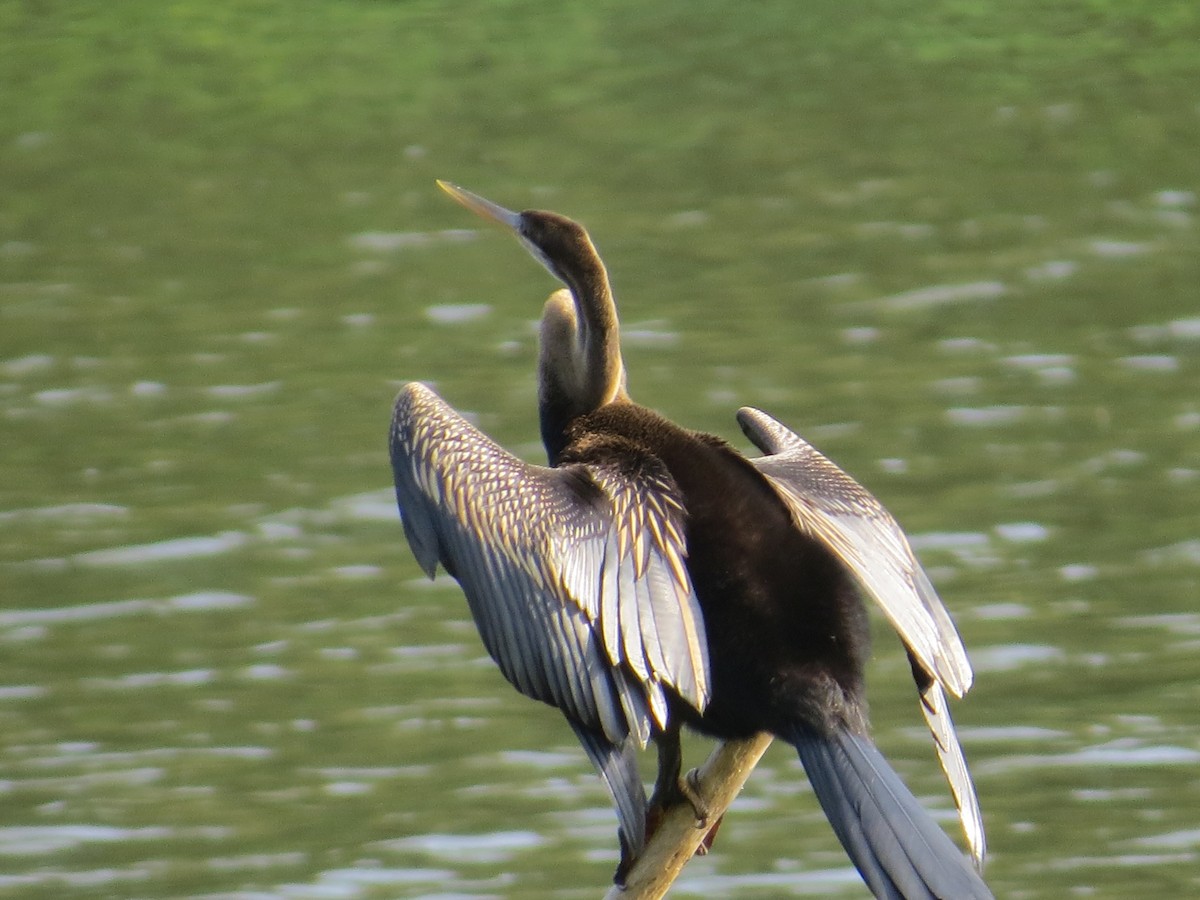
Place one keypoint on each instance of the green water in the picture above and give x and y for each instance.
(953, 244)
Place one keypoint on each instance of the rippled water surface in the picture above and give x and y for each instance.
(957, 252)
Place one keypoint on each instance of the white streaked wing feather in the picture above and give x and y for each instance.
(834, 508)
(563, 568)
(950, 755)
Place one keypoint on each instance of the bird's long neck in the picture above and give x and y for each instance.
(580, 366)
(598, 335)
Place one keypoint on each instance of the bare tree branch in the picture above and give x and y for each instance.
(675, 841)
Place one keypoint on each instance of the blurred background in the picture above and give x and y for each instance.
(954, 244)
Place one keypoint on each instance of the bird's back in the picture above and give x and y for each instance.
(787, 630)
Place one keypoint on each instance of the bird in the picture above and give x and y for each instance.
(650, 577)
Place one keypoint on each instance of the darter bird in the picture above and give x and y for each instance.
(652, 577)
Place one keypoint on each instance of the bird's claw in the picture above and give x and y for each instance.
(689, 790)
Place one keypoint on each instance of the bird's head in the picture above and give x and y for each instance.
(560, 244)
(579, 367)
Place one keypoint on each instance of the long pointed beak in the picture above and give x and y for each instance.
(481, 207)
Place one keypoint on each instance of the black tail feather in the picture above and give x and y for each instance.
(900, 851)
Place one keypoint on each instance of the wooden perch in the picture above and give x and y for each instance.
(675, 841)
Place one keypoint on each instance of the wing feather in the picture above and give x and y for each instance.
(832, 507)
(962, 788)
(629, 625)
(574, 575)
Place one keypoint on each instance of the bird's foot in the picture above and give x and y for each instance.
(673, 792)
(689, 790)
(683, 790)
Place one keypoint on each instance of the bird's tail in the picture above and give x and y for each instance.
(900, 851)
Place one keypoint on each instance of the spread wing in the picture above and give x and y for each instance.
(832, 507)
(575, 575)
